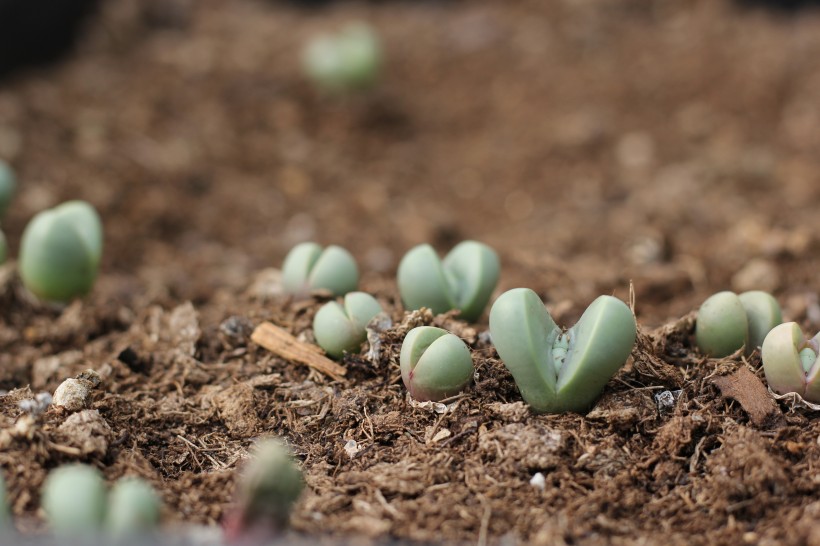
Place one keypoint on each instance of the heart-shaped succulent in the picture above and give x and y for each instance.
(464, 280)
(727, 321)
(308, 267)
(60, 251)
(790, 362)
(435, 364)
(340, 330)
(556, 370)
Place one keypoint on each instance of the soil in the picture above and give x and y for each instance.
(668, 144)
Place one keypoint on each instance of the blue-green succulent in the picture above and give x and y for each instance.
(347, 61)
(133, 507)
(342, 329)
(556, 370)
(309, 267)
(435, 364)
(464, 280)
(74, 500)
(727, 322)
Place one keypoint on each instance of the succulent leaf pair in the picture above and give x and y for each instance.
(555, 370)
(790, 362)
(464, 280)
(435, 364)
(339, 329)
(727, 321)
(309, 267)
(346, 61)
(60, 251)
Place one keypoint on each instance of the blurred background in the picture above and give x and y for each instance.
(673, 143)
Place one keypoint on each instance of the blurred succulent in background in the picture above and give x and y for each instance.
(349, 60)
(790, 362)
(435, 364)
(339, 329)
(133, 508)
(726, 322)
(464, 280)
(308, 267)
(74, 500)
(8, 185)
(555, 370)
(60, 252)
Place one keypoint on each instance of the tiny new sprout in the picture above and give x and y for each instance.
(8, 183)
(347, 61)
(790, 362)
(434, 364)
(74, 500)
(464, 280)
(133, 507)
(340, 330)
(726, 322)
(559, 371)
(60, 252)
(308, 267)
(269, 486)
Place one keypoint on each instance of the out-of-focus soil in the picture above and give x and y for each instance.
(672, 144)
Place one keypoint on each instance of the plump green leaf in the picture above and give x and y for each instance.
(343, 329)
(434, 363)
(133, 507)
(308, 267)
(74, 500)
(790, 361)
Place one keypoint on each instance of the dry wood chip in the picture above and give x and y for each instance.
(281, 343)
(746, 388)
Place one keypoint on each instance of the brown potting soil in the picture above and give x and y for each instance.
(670, 144)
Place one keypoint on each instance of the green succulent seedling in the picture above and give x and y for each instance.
(347, 61)
(308, 267)
(435, 364)
(555, 370)
(60, 252)
(790, 362)
(339, 329)
(74, 500)
(8, 185)
(727, 321)
(464, 280)
(133, 507)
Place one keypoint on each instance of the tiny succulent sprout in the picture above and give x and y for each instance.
(8, 184)
(790, 362)
(133, 507)
(555, 370)
(74, 500)
(464, 280)
(347, 61)
(60, 252)
(435, 364)
(342, 329)
(726, 322)
(308, 267)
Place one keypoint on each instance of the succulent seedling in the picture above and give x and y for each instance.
(555, 370)
(308, 267)
(74, 500)
(790, 362)
(347, 61)
(434, 364)
(8, 184)
(60, 252)
(726, 322)
(464, 280)
(133, 507)
(339, 329)
(269, 485)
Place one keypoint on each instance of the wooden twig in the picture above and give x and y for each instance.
(281, 343)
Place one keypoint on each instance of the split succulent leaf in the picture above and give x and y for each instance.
(342, 329)
(308, 267)
(435, 364)
(790, 362)
(727, 321)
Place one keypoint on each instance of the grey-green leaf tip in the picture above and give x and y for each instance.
(464, 280)
(726, 322)
(269, 486)
(133, 508)
(559, 371)
(349, 60)
(435, 364)
(74, 500)
(308, 267)
(8, 185)
(790, 362)
(342, 329)
(60, 252)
